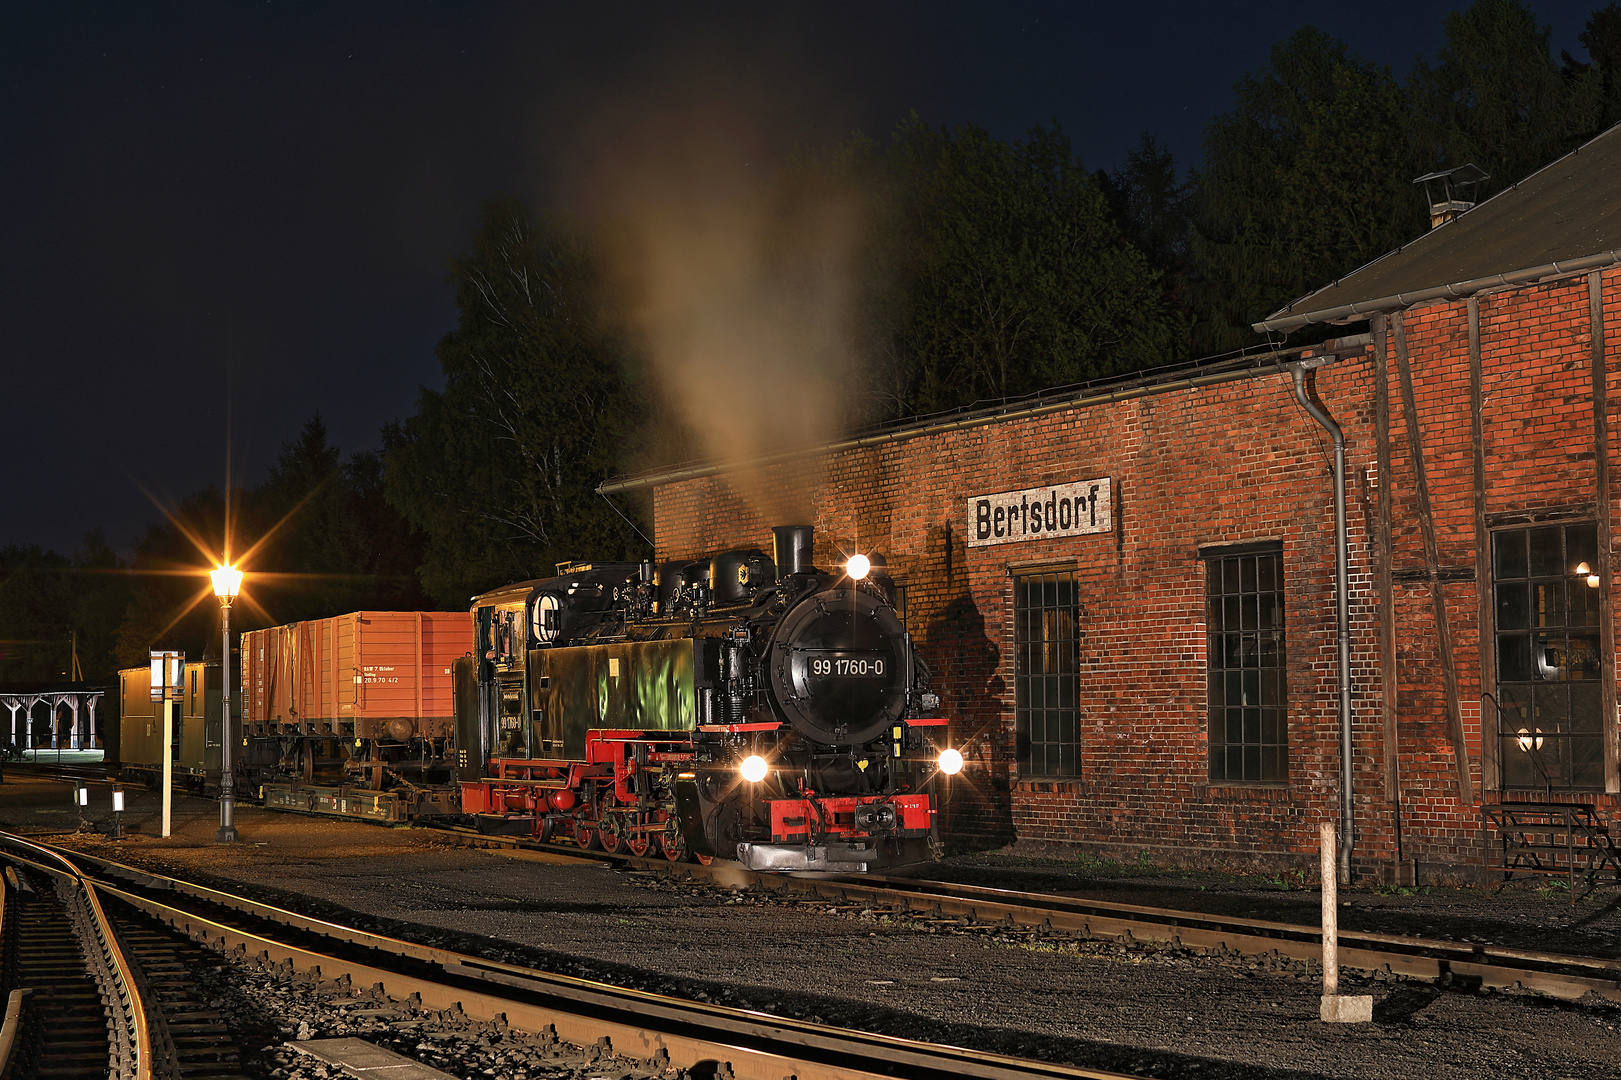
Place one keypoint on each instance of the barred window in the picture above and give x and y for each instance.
(1248, 692)
(1046, 664)
(1549, 673)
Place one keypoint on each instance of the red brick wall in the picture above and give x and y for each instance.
(1225, 464)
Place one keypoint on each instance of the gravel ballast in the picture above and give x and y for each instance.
(1162, 1011)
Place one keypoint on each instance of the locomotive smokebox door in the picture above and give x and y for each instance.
(840, 667)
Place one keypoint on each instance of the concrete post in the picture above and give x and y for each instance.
(1336, 1008)
(169, 708)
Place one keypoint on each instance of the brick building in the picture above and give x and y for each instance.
(1128, 594)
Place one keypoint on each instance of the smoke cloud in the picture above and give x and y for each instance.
(736, 264)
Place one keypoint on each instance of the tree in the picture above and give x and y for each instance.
(1009, 273)
(1601, 37)
(1495, 97)
(1151, 201)
(315, 537)
(499, 470)
(47, 598)
(1305, 179)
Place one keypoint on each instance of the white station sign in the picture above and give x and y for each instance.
(1044, 513)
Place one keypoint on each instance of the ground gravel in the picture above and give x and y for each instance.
(1160, 1011)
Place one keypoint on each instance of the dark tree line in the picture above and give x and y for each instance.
(331, 544)
(1309, 175)
(988, 269)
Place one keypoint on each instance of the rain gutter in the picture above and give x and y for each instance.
(1457, 291)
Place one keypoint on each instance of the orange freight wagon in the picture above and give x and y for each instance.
(357, 709)
(368, 675)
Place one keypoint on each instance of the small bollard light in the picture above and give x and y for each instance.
(81, 799)
(118, 813)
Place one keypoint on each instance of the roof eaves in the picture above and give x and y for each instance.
(1280, 320)
(1179, 377)
(1456, 291)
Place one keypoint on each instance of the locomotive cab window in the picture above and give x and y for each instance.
(1248, 693)
(1549, 670)
(1046, 674)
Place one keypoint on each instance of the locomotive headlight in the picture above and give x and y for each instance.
(753, 768)
(858, 567)
(950, 761)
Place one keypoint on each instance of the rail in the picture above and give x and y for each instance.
(635, 1022)
(11, 1030)
(1557, 974)
(124, 989)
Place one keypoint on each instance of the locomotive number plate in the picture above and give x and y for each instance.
(849, 666)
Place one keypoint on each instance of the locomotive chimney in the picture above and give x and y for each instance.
(792, 548)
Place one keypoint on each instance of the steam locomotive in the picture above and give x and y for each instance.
(741, 706)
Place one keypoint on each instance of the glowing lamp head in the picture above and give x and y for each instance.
(118, 800)
(753, 768)
(858, 567)
(227, 582)
(950, 761)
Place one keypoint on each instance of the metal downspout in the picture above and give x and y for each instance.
(1308, 401)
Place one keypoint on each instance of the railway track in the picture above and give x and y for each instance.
(1558, 975)
(692, 1035)
(1463, 963)
(100, 989)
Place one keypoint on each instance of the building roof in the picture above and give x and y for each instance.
(1563, 219)
(1173, 377)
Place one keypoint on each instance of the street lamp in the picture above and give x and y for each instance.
(227, 583)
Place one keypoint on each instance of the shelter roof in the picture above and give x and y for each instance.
(47, 689)
(1563, 219)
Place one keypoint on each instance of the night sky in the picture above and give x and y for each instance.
(260, 199)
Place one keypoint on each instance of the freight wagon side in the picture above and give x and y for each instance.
(360, 710)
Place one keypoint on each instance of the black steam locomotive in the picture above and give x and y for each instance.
(739, 705)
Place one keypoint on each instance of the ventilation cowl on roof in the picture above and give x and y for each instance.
(1451, 191)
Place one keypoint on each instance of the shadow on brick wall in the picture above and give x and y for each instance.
(977, 811)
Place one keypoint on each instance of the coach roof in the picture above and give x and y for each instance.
(1563, 219)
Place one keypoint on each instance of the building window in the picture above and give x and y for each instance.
(1549, 716)
(1249, 717)
(1046, 680)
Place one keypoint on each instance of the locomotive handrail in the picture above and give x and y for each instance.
(117, 962)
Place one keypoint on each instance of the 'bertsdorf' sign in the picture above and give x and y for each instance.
(1044, 513)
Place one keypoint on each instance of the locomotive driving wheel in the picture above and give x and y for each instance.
(610, 833)
(638, 841)
(585, 835)
(672, 843)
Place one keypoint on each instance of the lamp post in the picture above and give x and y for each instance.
(227, 583)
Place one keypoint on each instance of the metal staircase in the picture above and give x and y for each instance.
(1553, 838)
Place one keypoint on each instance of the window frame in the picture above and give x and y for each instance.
(1060, 724)
(1516, 702)
(1260, 761)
